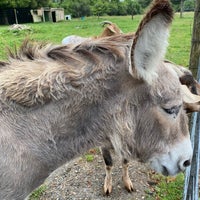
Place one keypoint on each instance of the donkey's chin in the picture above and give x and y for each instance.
(175, 160)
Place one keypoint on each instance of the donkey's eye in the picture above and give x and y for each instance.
(172, 110)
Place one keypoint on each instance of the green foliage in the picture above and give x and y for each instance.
(102, 7)
(99, 8)
(41, 3)
(127, 7)
(13, 3)
(122, 8)
(188, 5)
(144, 3)
(133, 7)
(77, 8)
(23, 3)
(112, 9)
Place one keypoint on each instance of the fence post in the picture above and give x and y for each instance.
(195, 43)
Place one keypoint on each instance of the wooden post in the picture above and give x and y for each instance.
(16, 20)
(195, 44)
(181, 9)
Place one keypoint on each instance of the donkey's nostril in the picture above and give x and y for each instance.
(187, 163)
(183, 164)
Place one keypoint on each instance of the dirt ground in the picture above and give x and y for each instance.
(83, 180)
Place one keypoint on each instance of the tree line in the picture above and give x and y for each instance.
(79, 8)
(6, 4)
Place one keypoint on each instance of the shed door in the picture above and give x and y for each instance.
(54, 16)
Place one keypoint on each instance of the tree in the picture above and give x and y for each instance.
(99, 8)
(144, 3)
(176, 5)
(122, 8)
(195, 48)
(181, 9)
(112, 8)
(188, 5)
(78, 8)
(133, 8)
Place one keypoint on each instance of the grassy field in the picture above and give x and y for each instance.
(178, 52)
(179, 42)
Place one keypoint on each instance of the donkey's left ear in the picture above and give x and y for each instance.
(150, 41)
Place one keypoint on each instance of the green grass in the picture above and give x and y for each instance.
(36, 194)
(89, 157)
(167, 188)
(179, 41)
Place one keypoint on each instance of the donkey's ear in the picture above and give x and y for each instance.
(150, 41)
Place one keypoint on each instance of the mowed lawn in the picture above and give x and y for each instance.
(179, 42)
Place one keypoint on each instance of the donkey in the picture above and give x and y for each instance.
(191, 103)
(110, 30)
(58, 101)
(191, 99)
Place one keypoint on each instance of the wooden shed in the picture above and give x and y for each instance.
(46, 14)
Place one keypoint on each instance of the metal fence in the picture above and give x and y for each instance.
(191, 186)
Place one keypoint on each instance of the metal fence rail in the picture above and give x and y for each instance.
(191, 186)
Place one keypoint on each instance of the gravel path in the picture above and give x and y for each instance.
(83, 180)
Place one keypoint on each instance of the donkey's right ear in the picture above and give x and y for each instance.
(150, 42)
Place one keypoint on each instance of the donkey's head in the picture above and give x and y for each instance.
(161, 133)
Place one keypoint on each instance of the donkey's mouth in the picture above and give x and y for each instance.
(167, 172)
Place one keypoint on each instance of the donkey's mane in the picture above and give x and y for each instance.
(38, 73)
